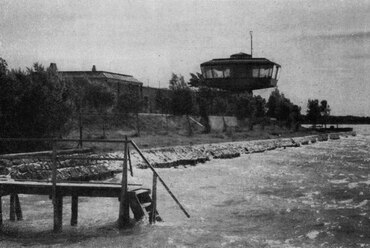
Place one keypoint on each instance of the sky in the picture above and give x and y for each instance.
(322, 46)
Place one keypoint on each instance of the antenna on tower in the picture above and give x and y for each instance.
(251, 34)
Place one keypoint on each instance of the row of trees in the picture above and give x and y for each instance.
(33, 103)
(37, 102)
(197, 99)
(318, 112)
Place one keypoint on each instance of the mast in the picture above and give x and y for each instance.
(251, 34)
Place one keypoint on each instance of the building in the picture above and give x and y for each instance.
(119, 83)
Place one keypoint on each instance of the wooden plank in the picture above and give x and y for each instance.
(136, 208)
(74, 210)
(12, 207)
(66, 189)
(42, 153)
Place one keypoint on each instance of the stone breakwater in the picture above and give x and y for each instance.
(191, 155)
(85, 170)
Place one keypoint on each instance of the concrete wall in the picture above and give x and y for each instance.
(218, 122)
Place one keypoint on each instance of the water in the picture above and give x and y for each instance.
(312, 196)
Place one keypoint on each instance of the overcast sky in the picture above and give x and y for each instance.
(323, 46)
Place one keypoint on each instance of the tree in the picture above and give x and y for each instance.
(182, 98)
(196, 80)
(177, 82)
(204, 99)
(324, 111)
(273, 104)
(294, 117)
(162, 102)
(313, 111)
(33, 104)
(281, 108)
(245, 107)
(130, 103)
(100, 98)
(260, 104)
(3, 66)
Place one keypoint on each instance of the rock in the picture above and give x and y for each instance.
(322, 137)
(5, 163)
(334, 136)
(4, 170)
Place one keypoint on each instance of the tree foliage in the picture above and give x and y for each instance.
(162, 102)
(281, 108)
(128, 103)
(324, 111)
(35, 103)
(317, 112)
(313, 111)
(182, 97)
(99, 97)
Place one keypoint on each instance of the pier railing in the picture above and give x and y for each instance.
(55, 155)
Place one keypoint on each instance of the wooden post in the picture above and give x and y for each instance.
(74, 210)
(129, 162)
(154, 199)
(18, 209)
(12, 207)
(58, 213)
(124, 211)
(1, 212)
(55, 197)
(80, 124)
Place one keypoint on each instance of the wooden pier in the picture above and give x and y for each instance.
(132, 197)
(140, 201)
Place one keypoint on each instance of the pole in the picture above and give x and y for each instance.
(160, 179)
(1, 212)
(251, 34)
(57, 199)
(124, 214)
(154, 198)
(129, 162)
(80, 128)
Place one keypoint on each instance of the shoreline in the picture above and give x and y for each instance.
(161, 157)
(165, 157)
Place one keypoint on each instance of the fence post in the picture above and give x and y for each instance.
(1, 212)
(154, 198)
(124, 214)
(57, 200)
(80, 128)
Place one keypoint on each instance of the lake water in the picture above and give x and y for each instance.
(312, 196)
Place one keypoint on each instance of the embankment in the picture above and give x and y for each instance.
(90, 169)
